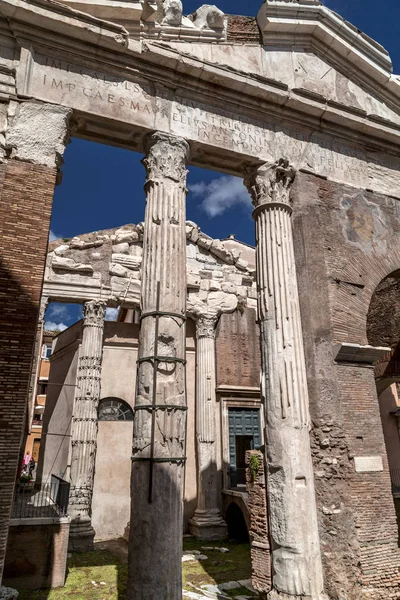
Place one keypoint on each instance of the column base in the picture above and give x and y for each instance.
(208, 526)
(81, 536)
(7, 593)
(275, 595)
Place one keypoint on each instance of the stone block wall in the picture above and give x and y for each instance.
(26, 193)
(36, 553)
(257, 505)
(238, 349)
(346, 243)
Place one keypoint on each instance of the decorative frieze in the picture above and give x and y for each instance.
(293, 527)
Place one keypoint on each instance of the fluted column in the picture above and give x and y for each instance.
(85, 425)
(207, 523)
(159, 445)
(293, 527)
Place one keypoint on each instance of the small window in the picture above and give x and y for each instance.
(46, 351)
(42, 388)
(114, 409)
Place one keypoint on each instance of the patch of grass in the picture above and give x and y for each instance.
(84, 568)
(109, 564)
(218, 567)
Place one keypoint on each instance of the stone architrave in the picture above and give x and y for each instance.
(207, 522)
(293, 526)
(85, 426)
(159, 445)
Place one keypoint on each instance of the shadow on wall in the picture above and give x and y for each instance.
(20, 296)
(237, 528)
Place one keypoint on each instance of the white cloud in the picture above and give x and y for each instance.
(52, 236)
(221, 194)
(52, 326)
(58, 310)
(111, 314)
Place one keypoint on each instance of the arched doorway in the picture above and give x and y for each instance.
(237, 528)
(383, 329)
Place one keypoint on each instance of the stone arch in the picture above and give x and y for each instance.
(352, 289)
(237, 526)
(383, 328)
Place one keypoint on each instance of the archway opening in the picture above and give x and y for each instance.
(383, 329)
(237, 528)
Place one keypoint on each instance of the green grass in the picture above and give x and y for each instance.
(84, 568)
(218, 567)
(110, 566)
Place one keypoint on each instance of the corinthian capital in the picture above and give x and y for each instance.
(166, 158)
(270, 183)
(94, 312)
(205, 327)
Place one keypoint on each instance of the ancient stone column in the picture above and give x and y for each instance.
(84, 427)
(159, 446)
(293, 527)
(207, 522)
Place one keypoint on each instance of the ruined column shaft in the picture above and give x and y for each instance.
(158, 456)
(207, 523)
(85, 425)
(293, 526)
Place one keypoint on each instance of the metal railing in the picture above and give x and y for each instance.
(395, 477)
(34, 500)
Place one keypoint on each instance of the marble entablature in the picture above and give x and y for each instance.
(106, 265)
(329, 113)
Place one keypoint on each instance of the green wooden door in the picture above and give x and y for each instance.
(244, 434)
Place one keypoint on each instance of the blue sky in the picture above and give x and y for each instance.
(102, 186)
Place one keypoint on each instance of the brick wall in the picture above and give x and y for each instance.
(243, 29)
(257, 505)
(36, 553)
(346, 243)
(26, 193)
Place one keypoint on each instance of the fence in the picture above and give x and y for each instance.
(41, 500)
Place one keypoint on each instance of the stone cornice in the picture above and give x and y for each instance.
(300, 22)
(39, 23)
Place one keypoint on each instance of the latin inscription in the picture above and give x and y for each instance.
(119, 96)
(151, 106)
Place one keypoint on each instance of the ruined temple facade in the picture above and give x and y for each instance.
(306, 109)
(224, 416)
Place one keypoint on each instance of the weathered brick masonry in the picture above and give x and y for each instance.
(243, 29)
(37, 553)
(346, 242)
(26, 195)
(257, 503)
